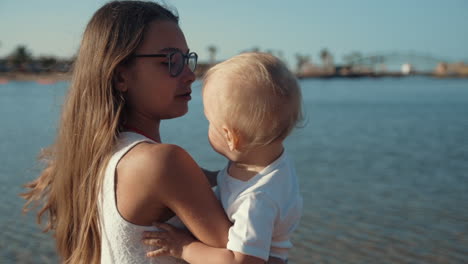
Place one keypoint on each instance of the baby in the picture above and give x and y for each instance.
(252, 102)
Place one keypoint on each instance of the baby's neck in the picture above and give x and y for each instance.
(249, 164)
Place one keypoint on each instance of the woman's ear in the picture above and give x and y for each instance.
(120, 78)
(232, 138)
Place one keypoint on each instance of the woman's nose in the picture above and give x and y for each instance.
(188, 74)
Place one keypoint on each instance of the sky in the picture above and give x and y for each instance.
(436, 28)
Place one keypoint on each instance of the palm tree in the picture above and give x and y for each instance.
(301, 61)
(20, 56)
(212, 50)
(327, 59)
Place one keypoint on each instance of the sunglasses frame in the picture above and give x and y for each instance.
(169, 56)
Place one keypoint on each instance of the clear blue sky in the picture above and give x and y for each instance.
(438, 28)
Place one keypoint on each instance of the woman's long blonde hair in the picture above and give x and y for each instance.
(68, 188)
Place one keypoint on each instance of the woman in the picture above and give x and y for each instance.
(108, 176)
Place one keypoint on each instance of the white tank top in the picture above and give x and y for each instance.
(120, 239)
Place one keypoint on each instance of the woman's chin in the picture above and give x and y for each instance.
(175, 114)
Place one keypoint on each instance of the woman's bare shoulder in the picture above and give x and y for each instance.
(146, 176)
(153, 162)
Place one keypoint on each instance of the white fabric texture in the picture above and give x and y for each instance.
(120, 239)
(264, 210)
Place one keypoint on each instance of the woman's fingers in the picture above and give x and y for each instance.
(168, 239)
(157, 242)
(158, 252)
(153, 242)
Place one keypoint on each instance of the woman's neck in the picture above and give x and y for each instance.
(143, 125)
(251, 163)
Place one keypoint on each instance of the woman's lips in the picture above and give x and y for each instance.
(185, 96)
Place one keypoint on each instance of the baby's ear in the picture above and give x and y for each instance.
(231, 137)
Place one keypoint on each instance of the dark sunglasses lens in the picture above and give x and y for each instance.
(177, 63)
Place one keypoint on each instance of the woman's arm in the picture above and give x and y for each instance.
(154, 177)
(211, 176)
(180, 244)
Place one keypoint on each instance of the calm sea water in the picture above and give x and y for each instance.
(383, 167)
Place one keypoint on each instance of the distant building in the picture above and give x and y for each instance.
(407, 68)
(451, 69)
(441, 69)
(308, 69)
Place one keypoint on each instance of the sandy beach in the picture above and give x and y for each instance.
(45, 78)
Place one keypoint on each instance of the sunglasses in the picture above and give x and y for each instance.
(176, 61)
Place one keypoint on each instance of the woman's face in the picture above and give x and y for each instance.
(151, 90)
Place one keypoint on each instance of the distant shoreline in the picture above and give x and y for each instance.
(35, 77)
(53, 77)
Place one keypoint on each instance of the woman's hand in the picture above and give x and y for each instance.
(169, 240)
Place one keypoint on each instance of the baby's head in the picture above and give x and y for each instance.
(252, 97)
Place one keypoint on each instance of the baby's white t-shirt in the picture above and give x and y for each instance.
(264, 210)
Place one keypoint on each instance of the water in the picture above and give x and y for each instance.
(383, 167)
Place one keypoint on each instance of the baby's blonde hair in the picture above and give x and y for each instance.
(263, 103)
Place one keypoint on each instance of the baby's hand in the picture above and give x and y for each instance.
(169, 239)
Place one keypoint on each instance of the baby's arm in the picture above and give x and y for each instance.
(180, 244)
